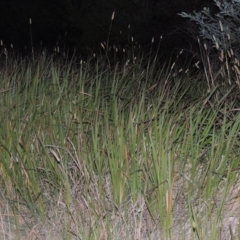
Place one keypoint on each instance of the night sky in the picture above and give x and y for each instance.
(84, 24)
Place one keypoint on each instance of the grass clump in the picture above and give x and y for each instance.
(130, 151)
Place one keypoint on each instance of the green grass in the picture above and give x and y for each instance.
(92, 151)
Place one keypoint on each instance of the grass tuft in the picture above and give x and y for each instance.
(131, 150)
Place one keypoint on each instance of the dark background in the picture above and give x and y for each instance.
(83, 24)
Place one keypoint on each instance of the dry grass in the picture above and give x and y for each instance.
(92, 214)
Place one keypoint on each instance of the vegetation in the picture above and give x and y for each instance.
(108, 150)
(120, 146)
(221, 29)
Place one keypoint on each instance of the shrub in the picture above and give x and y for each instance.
(222, 30)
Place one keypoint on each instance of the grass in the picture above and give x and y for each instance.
(127, 151)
